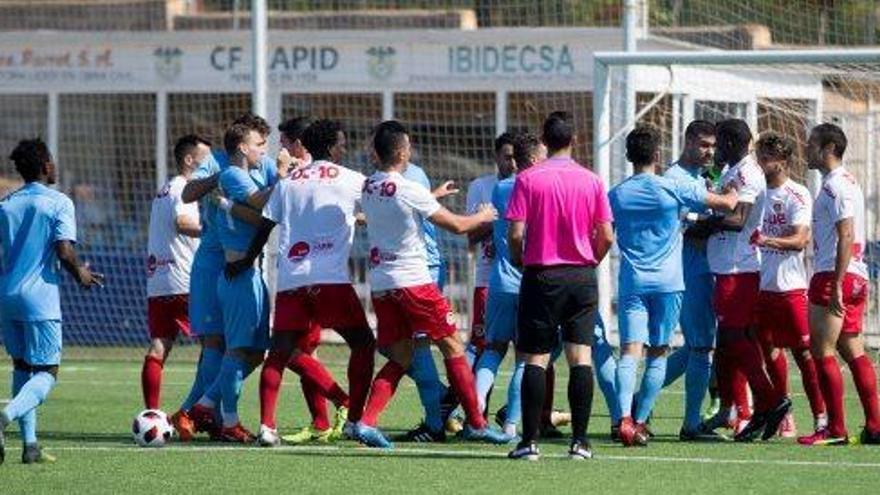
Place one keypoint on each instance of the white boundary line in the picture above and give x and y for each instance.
(450, 453)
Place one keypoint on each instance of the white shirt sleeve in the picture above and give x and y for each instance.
(802, 210)
(751, 186)
(418, 198)
(181, 208)
(274, 208)
(844, 202)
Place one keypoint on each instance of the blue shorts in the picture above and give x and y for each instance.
(501, 317)
(205, 311)
(599, 337)
(245, 302)
(37, 343)
(648, 318)
(698, 324)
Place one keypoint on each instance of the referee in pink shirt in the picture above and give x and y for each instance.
(565, 209)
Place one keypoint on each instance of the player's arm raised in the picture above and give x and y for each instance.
(83, 275)
(196, 189)
(460, 224)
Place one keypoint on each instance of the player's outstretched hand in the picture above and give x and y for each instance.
(235, 268)
(487, 212)
(88, 279)
(284, 162)
(446, 189)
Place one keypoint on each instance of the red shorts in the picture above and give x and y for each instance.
(402, 313)
(168, 316)
(782, 319)
(478, 323)
(855, 295)
(735, 299)
(311, 308)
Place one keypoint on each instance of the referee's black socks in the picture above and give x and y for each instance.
(580, 400)
(533, 390)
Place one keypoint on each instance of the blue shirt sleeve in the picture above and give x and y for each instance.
(237, 185)
(64, 228)
(691, 195)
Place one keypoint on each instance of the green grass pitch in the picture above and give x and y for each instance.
(86, 421)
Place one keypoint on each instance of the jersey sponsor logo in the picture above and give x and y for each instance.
(154, 263)
(377, 257)
(298, 251)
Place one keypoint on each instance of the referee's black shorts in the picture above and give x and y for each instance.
(556, 302)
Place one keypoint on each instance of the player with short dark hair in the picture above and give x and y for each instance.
(37, 234)
(782, 303)
(316, 211)
(405, 298)
(838, 289)
(291, 139)
(172, 241)
(647, 209)
(736, 263)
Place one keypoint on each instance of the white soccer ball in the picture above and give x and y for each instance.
(152, 428)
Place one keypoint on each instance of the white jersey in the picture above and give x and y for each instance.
(170, 254)
(480, 192)
(315, 207)
(395, 208)
(734, 252)
(840, 198)
(787, 206)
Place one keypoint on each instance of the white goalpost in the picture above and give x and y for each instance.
(774, 80)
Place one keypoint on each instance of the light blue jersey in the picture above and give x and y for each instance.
(693, 252)
(234, 234)
(265, 175)
(647, 211)
(417, 174)
(504, 277)
(32, 220)
(698, 324)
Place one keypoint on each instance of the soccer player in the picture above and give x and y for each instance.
(839, 289)
(291, 139)
(504, 281)
(316, 211)
(647, 210)
(480, 192)
(782, 303)
(736, 262)
(405, 298)
(37, 233)
(697, 320)
(206, 318)
(566, 211)
(173, 239)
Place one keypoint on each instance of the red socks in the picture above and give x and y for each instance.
(750, 361)
(151, 381)
(461, 378)
(312, 369)
(810, 379)
(360, 374)
(317, 404)
(831, 382)
(383, 389)
(270, 385)
(865, 379)
(732, 385)
(778, 370)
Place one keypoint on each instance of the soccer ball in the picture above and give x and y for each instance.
(151, 428)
